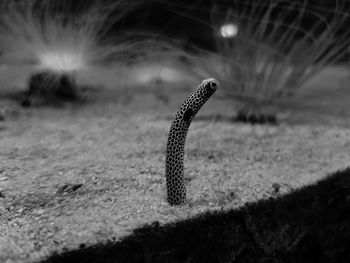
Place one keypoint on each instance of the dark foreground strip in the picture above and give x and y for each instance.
(309, 225)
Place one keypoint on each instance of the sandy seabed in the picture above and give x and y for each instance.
(90, 173)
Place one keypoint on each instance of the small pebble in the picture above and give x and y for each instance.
(82, 246)
(276, 187)
(40, 211)
(68, 188)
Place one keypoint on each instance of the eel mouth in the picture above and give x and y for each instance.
(213, 84)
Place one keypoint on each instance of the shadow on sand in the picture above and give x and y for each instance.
(309, 225)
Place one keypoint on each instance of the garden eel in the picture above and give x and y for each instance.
(174, 166)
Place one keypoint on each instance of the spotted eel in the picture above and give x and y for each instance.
(174, 167)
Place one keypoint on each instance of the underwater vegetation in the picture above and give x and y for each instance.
(58, 40)
(268, 50)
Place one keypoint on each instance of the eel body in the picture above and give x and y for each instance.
(175, 181)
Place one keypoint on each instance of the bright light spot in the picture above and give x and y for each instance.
(228, 30)
(62, 61)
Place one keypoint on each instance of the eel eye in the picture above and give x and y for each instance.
(213, 85)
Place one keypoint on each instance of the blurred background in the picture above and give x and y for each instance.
(260, 51)
(190, 21)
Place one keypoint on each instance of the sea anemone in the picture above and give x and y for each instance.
(59, 39)
(269, 49)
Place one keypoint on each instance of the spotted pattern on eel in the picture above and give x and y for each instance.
(174, 166)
